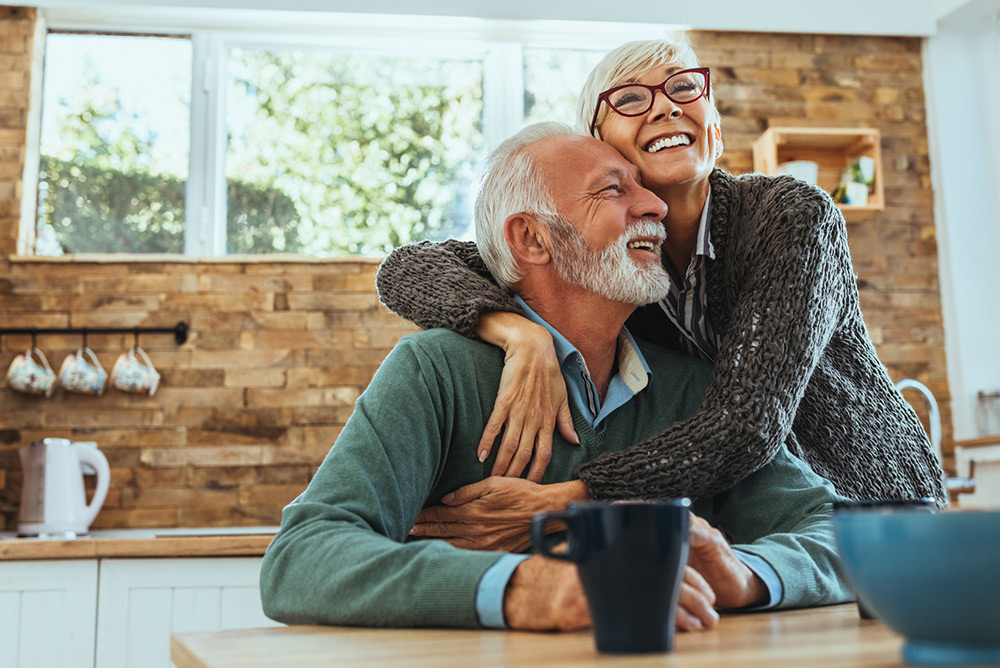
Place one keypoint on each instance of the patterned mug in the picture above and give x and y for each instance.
(27, 375)
(134, 373)
(79, 375)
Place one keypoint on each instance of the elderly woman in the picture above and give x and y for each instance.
(762, 287)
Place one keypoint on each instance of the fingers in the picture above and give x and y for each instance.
(523, 432)
(496, 421)
(509, 445)
(465, 494)
(694, 609)
(696, 581)
(543, 455)
(493, 427)
(564, 420)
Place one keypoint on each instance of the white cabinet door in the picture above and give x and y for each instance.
(143, 601)
(48, 613)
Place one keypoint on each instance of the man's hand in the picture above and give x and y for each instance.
(545, 595)
(734, 584)
(696, 607)
(495, 513)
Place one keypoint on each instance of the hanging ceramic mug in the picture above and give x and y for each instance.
(134, 373)
(81, 372)
(31, 376)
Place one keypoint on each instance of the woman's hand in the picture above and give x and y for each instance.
(531, 399)
(494, 514)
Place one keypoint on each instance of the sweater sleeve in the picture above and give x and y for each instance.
(783, 514)
(341, 555)
(793, 274)
(441, 284)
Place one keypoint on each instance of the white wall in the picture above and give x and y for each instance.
(873, 17)
(962, 61)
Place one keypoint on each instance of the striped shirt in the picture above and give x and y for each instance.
(686, 305)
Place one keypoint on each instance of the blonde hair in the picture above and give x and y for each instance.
(627, 63)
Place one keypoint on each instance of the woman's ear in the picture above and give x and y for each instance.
(717, 128)
(528, 239)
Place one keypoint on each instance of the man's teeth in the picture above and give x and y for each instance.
(642, 244)
(667, 142)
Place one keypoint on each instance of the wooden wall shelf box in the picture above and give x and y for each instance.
(832, 149)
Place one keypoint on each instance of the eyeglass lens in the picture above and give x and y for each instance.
(682, 88)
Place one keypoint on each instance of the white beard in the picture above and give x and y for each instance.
(610, 272)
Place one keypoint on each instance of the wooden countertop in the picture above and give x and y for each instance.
(816, 637)
(125, 543)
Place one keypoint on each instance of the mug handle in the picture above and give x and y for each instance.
(538, 535)
(93, 357)
(41, 356)
(142, 354)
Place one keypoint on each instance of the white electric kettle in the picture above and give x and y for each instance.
(52, 497)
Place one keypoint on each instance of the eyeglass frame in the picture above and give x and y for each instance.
(661, 87)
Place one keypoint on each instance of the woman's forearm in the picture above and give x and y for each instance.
(440, 284)
(506, 330)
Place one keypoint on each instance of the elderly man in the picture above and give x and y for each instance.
(564, 221)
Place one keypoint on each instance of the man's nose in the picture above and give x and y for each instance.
(648, 205)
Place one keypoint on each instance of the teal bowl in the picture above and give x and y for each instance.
(932, 578)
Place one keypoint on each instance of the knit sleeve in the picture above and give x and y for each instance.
(441, 284)
(790, 269)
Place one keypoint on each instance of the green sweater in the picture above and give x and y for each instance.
(342, 555)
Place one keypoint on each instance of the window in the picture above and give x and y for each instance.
(347, 139)
(114, 145)
(349, 153)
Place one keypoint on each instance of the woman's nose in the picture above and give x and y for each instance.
(663, 106)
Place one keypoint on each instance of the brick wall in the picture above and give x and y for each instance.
(767, 80)
(279, 350)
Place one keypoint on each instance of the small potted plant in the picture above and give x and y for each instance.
(855, 182)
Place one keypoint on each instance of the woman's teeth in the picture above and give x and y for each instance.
(668, 142)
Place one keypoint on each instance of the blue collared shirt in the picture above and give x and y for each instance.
(632, 377)
(632, 373)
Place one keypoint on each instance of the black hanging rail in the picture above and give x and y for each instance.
(180, 331)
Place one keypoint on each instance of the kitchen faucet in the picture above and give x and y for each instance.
(956, 485)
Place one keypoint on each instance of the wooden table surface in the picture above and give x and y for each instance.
(816, 638)
(130, 543)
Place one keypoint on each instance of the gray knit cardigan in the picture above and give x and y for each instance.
(795, 362)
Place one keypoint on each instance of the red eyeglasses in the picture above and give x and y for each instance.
(635, 99)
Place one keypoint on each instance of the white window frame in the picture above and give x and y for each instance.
(213, 33)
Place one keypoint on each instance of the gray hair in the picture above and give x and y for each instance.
(511, 183)
(627, 63)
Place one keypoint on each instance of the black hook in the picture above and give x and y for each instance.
(135, 337)
(34, 338)
(181, 333)
(84, 332)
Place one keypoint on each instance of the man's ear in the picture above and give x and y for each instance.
(528, 239)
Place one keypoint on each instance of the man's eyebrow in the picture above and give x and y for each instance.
(621, 173)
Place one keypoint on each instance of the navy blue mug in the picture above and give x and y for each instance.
(631, 558)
